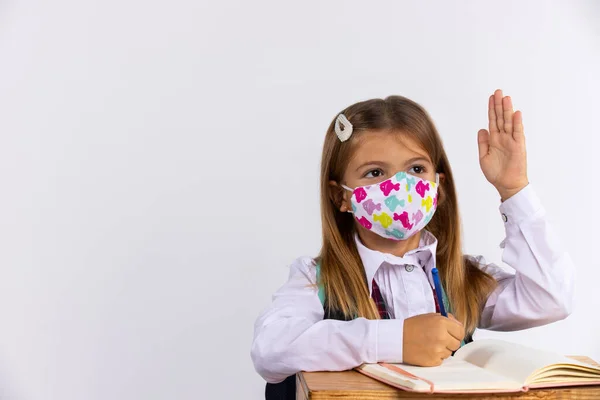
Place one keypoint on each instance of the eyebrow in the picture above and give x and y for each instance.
(415, 159)
(384, 164)
(373, 163)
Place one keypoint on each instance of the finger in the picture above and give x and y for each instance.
(483, 142)
(455, 329)
(453, 343)
(445, 354)
(508, 114)
(518, 131)
(492, 116)
(499, 111)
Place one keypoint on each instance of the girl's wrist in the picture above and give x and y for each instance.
(505, 194)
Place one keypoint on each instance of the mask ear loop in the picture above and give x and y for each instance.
(350, 190)
(437, 179)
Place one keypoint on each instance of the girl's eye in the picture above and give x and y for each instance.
(419, 169)
(376, 173)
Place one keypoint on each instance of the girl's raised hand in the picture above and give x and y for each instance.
(502, 154)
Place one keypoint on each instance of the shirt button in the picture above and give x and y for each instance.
(409, 267)
(504, 217)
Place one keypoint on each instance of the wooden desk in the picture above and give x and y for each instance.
(356, 386)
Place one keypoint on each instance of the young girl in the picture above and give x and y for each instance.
(390, 215)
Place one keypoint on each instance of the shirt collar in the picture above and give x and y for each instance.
(423, 256)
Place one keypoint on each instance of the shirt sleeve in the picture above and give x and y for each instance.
(542, 288)
(291, 335)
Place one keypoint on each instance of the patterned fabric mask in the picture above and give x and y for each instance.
(396, 208)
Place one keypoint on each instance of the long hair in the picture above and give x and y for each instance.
(342, 273)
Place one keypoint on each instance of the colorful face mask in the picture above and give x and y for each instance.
(396, 208)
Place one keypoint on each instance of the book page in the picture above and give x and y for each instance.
(564, 373)
(458, 375)
(514, 361)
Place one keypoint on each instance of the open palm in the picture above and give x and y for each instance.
(502, 154)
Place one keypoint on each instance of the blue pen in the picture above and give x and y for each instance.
(438, 291)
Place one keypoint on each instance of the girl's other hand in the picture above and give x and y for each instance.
(430, 338)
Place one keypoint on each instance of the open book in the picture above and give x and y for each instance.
(488, 366)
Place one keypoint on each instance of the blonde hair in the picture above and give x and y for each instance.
(341, 271)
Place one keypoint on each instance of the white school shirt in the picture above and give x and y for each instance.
(291, 334)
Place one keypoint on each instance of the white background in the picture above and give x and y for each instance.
(159, 168)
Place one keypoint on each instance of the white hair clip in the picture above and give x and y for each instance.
(344, 131)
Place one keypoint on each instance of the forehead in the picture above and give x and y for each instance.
(385, 146)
